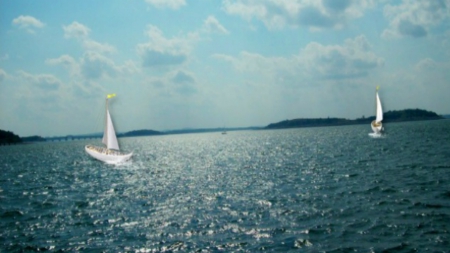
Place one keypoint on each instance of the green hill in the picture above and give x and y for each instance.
(410, 115)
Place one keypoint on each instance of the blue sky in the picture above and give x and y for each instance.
(202, 64)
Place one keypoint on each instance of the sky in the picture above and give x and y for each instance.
(178, 64)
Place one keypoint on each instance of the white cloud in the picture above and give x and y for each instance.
(255, 63)
(426, 64)
(45, 82)
(92, 45)
(129, 67)
(173, 85)
(183, 77)
(183, 82)
(76, 30)
(314, 14)
(28, 23)
(162, 51)
(171, 4)
(67, 62)
(415, 18)
(92, 66)
(81, 33)
(212, 25)
(95, 66)
(353, 59)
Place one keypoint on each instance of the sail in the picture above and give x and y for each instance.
(109, 136)
(379, 110)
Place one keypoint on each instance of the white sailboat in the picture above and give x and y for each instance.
(111, 153)
(377, 126)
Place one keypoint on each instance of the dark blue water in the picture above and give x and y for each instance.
(330, 189)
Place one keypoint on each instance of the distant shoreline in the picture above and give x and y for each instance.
(8, 138)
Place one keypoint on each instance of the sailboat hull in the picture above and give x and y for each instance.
(107, 155)
(377, 127)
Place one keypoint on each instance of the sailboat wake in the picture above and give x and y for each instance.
(376, 135)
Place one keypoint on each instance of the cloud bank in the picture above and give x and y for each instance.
(314, 14)
(415, 18)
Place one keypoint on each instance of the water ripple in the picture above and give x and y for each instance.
(310, 190)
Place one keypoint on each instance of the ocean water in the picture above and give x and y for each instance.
(325, 189)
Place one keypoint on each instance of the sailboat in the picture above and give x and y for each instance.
(376, 124)
(111, 153)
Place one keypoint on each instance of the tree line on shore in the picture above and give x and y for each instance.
(7, 138)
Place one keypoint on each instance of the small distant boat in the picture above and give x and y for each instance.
(377, 126)
(111, 153)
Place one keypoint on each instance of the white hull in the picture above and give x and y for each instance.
(377, 127)
(107, 155)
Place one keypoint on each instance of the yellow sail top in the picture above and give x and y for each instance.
(110, 95)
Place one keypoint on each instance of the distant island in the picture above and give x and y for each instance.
(143, 132)
(390, 116)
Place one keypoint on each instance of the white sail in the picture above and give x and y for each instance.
(379, 117)
(109, 136)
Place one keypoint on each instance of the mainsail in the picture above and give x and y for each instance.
(379, 117)
(109, 136)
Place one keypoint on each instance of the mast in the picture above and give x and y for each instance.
(376, 102)
(106, 119)
(105, 131)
